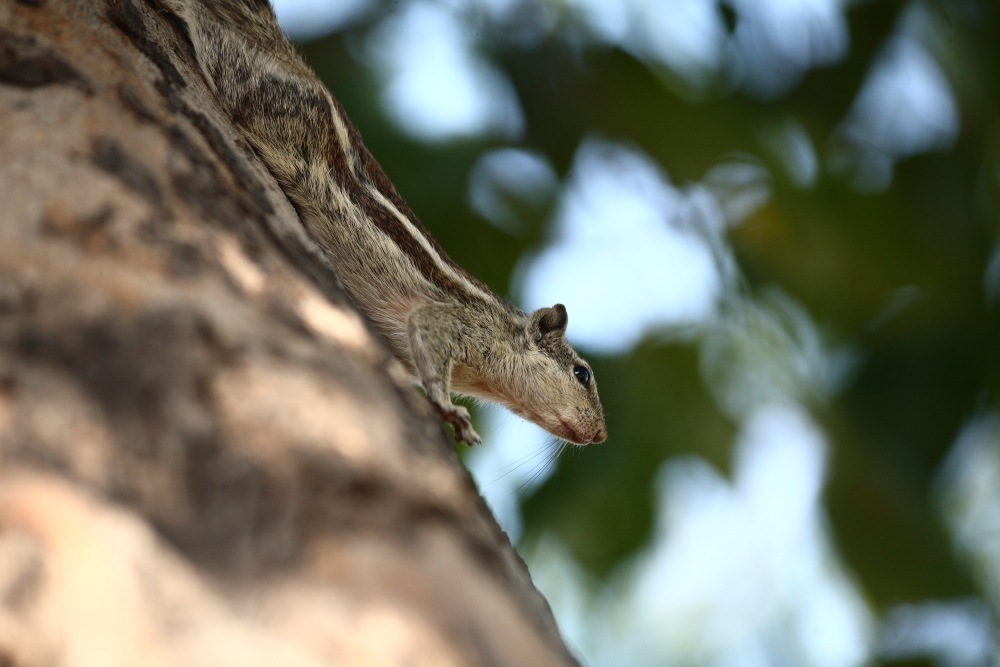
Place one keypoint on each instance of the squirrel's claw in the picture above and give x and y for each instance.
(459, 418)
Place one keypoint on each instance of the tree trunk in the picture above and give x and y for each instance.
(207, 457)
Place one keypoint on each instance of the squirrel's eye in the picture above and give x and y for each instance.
(583, 375)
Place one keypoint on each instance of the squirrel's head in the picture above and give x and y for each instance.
(559, 392)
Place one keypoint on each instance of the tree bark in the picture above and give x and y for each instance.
(206, 457)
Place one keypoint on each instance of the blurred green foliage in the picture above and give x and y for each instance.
(928, 362)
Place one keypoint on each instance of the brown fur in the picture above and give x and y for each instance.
(450, 330)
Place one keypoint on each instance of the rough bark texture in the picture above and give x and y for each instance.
(205, 456)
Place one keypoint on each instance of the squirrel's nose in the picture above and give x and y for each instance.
(600, 436)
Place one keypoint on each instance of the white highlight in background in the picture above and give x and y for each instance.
(621, 261)
(508, 179)
(437, 88)
(304, 20)
(956, 633)
(970, 493)
(777, 41)
(687, 36)
(905, 106)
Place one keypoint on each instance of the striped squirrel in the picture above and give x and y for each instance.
(447, 328)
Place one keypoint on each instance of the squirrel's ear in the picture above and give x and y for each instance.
(547, 321)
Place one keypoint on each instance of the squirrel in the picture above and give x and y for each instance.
(451, 332)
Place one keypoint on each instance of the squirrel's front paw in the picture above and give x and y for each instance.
(458, 417)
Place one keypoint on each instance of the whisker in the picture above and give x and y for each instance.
(522, 491)
(537, 470)
(534, 452)
(560, 448)
(523, 460)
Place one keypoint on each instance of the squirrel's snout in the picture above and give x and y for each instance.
(600, 436)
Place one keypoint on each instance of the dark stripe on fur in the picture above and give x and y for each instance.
(378, 214)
